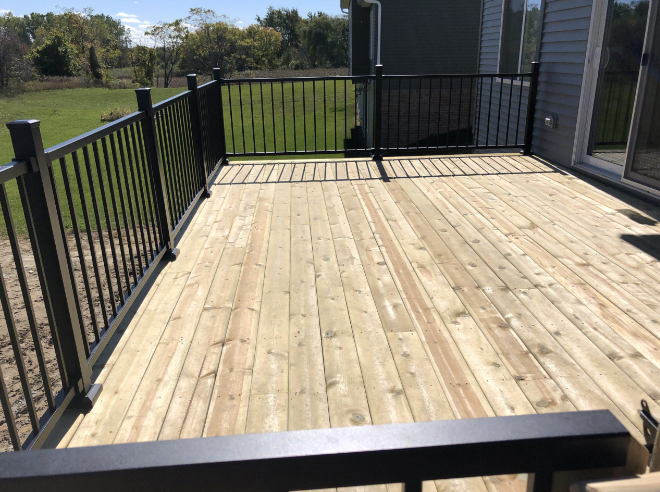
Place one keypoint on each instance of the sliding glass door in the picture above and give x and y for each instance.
(618, 72)
(643, 159)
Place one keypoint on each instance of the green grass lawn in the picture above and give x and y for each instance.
(287, 116)
(65, 114)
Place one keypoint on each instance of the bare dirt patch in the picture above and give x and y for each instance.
(7, 355)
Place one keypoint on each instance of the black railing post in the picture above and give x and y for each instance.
(217, 76)
(157, 169)
(196, 128)
(38, 198)
(378, 106)
(531, 107)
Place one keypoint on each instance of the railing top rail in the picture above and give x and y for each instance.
(459, 75)
(168, 102)
(310, 459)
(13, 170)
(302, 79)
(80, 141)
(208, 84)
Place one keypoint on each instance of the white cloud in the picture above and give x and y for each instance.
(3, 12)
(138, 36)
(136, 27)
(239, 22)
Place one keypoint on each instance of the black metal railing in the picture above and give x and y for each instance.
(451, 112)
(541, 445)
(379, 113)
(299, 115)
(95, 214)
(92, 217)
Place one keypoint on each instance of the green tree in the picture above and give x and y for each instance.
(13, 64)
(168, 38)
(325, 40)
(56, 56)
(214, 42)
(287, 22)
(259, 48)
(145, 61)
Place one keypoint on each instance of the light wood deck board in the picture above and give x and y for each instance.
(314, 294)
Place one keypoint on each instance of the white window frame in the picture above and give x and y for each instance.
(522, 39)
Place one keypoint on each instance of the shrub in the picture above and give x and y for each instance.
(144, 65)
(115, 114)
(56, 57)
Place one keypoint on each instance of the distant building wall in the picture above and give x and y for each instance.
(422, 36)
(359, 64)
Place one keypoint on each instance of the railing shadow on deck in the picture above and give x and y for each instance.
(349, 170)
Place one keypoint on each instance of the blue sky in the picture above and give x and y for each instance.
(139, 14)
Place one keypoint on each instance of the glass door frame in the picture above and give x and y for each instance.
(630, 176)
(596, 40)
(589, 90)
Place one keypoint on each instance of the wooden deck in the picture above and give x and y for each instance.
(316, 294)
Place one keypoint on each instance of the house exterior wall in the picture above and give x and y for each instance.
(563, 44)
(420, 37)
(562, 56)
(359, 63)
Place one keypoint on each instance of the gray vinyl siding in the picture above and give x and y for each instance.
(562, 56)
(490, 36)
(497, 123)
(564, 35)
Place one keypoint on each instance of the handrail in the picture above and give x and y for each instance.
(340, 457)
(459, 75)
(172, 100)
(13, 170)
(208, 84)
(76, 143)
(303, 79)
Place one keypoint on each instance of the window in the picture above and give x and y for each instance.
(520, 34)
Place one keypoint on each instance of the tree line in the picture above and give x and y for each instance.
(84, 43)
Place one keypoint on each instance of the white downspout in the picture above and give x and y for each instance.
(380, 11)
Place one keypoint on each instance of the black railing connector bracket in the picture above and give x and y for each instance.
(650, 427)
(173, 254)
(86, 401)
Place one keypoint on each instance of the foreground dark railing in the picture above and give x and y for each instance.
(540, 445)
(101, 210)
